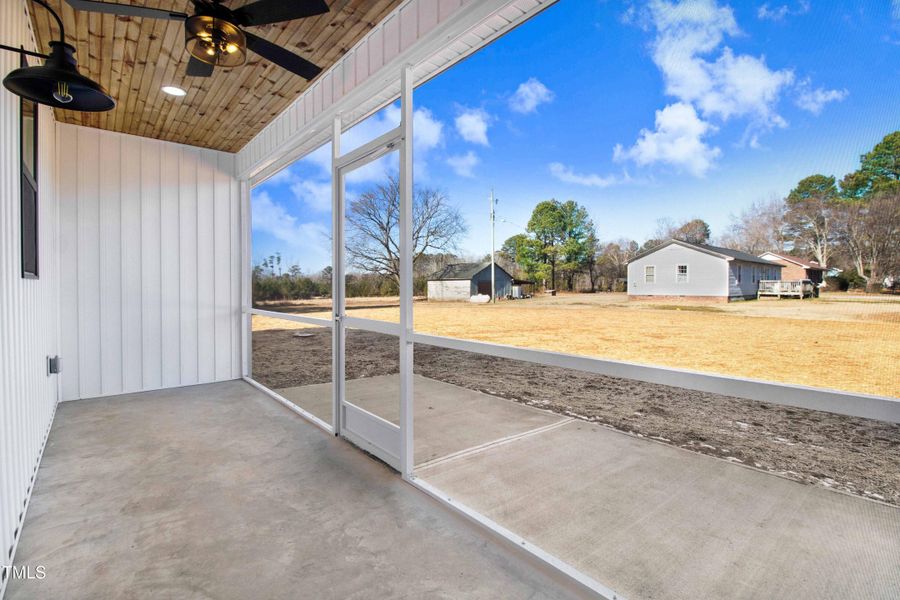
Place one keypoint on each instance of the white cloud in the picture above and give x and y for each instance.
(529, 95)
(314, 194)
(310, 238)
(895, 9)
(678, 140)
(772, 14)
(710, 84)
(428, 134)
(310, 192)
(814, 100)
(281, 177)
(464, 164)
(744, 86)
(376, 171)
(778, 13)
(568, 175)
(472, 125)
(730, 86)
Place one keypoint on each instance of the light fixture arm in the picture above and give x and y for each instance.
(24, 51)
(62, 29)
(62, 34)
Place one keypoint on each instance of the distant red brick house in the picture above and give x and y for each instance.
(796, 268)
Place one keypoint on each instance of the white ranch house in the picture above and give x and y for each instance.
(678, 269)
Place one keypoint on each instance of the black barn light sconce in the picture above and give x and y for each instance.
(57, 82)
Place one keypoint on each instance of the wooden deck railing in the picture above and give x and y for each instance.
(799, 288)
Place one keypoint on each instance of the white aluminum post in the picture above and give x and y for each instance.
(337, 277)
(493, 278)
(246, 281)
(406, 273)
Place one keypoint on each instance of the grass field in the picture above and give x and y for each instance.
(841, 342)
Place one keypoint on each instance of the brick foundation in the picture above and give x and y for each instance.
(675, 299)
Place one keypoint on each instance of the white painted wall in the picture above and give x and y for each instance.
(28, 307)
(150, 264)
(707, 274)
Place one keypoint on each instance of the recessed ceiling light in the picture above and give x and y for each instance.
(173, 91)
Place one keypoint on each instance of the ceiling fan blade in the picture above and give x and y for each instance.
(281, 57)
(198, 68)
(264, 12)
(125, 10)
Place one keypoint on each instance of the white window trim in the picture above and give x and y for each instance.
(687, 274)
(654, 273)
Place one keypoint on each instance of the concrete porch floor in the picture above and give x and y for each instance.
(647, 519)
(447, 418)
(217, 491)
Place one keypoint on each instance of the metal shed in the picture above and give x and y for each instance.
(462, 280)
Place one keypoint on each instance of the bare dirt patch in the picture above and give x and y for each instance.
(858, 456)
(844, 343)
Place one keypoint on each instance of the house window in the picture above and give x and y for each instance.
(649, 274)
(681, 274)
(28, 125)
(739, 269)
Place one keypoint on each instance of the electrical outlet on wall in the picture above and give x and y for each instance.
(54, 365)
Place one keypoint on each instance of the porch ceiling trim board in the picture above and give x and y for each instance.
(134, 57)
(431, 35)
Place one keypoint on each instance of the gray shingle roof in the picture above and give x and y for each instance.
(461, 271)
(735, 254)
(716, 250)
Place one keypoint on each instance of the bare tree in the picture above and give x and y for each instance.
(373, 227)
(612, 261)
(694, 231)
(759, 228)
(869, 230)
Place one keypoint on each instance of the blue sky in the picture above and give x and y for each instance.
(637, 110)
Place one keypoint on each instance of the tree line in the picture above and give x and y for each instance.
(852, 224)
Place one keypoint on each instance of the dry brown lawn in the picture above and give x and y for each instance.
(839, 342)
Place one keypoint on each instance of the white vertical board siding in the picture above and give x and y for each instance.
(129, 263)
(28, 307)
(431, 35)
(151, 254)
(110, 197)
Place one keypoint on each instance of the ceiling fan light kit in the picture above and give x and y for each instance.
(214, 34)
(214, 41)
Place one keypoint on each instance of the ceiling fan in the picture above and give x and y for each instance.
(214, 35)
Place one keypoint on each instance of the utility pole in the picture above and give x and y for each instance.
(493, 278)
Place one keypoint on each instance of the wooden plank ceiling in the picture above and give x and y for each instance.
(134, 57)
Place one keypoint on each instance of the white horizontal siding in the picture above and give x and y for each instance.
(431, 35)
(28, 307)
(707, 274)
(150, 275)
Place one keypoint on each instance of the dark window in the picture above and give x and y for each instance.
(28, 125)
